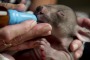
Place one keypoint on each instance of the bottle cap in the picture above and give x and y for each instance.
(18, 17)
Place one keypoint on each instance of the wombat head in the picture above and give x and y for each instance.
(55, 14)
(61, 17)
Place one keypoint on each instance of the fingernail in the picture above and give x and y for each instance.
(47, 28)
(33, 23)
(75, 46)
(47, 33)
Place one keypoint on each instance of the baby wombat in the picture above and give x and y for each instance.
(64, 27)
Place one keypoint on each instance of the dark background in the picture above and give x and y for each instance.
(79, 5)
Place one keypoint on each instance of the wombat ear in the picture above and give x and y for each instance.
(60, 13)
(83, 34)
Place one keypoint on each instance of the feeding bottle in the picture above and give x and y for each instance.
(10, 17)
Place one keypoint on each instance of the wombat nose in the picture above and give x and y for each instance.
(39, 8)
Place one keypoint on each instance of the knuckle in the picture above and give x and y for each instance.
(29, 25)
(26, 25)
(6, 33)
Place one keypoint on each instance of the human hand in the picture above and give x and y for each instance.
(77, 46)
(9, 34)
(14, 35)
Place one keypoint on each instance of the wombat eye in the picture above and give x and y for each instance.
(60, 13)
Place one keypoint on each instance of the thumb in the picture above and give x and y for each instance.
(75, 45)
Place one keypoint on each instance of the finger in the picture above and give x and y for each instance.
(12, 31)
(42, 48)
(6, 57)
(84, 22)
(26, 2)
(78, 53)
(19, 7)
(46, 33)
(76, 44)
(42, 29)
(42, 52)
(45, 42)
(38, 31)
(26, 45)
